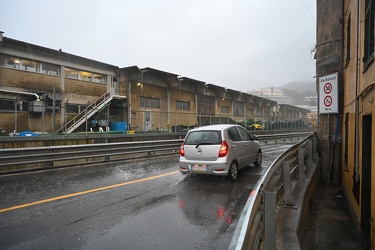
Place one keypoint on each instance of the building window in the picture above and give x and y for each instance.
(50, 69)
(9, 105)
(369, 31)
(224, 109)
(71, 108)
(182, 105)
(28, 65)
(71, 73)
(98, 78)
(49, 107)
(149, 102)
(75, 108)
(84, 75)
(238, 108)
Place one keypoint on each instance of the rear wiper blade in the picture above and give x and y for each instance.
(203, 143)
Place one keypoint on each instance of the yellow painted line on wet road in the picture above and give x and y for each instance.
(85, 192)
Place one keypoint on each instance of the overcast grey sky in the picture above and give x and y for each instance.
(237, 44)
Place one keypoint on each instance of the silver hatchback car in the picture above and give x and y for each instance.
(219, 149)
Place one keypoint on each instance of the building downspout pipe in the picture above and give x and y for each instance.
(357, 176)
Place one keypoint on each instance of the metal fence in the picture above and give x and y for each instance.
(48, 119)
(182, 121)
(12, 159)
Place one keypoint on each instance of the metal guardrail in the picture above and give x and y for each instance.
(256, 226)
(21, 159)
(90, 153)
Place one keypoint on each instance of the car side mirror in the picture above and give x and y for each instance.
(254, 137)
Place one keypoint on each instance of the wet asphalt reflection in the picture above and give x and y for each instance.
(131, 205)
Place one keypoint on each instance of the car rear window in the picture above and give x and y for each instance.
(203, 137)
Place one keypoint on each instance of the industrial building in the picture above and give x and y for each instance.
(52, 91)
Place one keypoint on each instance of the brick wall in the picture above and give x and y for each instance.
(28, 81)
(79, 87)
(27, 121)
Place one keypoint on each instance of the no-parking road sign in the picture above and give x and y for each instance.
(328, 94)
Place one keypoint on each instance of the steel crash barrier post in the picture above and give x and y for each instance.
(301, 165)
(289, 201)
(314, 149)
(310, 153)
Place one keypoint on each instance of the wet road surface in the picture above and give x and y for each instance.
(143, 204)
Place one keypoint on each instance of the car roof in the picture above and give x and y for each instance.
(214, 127)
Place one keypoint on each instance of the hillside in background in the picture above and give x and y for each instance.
(298, 90)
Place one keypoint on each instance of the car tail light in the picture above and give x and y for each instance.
(223, 149)
(182, 151)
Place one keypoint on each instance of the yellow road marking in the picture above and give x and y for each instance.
(84, 192)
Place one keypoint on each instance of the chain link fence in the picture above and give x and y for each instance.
(45, 119)
(153, 121)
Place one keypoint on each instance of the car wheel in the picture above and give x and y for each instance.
(233, 171)
(258, 161)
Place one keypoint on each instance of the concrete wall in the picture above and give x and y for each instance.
(329, 50)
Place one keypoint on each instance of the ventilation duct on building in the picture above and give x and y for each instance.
(21, 93)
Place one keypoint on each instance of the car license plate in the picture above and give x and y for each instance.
(197, 167)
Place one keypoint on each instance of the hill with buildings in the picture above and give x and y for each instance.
(296, 93)
(302, 93)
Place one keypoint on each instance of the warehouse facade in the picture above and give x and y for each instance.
(51, 91)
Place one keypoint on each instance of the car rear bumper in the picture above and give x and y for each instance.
(214, 168)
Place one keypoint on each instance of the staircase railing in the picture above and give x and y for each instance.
(85, 114)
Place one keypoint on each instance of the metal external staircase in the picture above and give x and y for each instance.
(90, 110)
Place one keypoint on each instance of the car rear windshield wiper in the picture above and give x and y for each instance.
(204, 143)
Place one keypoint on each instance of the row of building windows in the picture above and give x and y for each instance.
(28, 65)
(25, 106)
(49, 69)
(12, 105)
(154, 103)
(146, 102)
(84, 75)
(32, 106)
